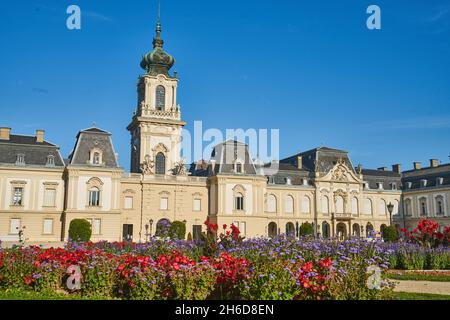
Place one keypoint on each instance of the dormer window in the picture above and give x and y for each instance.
(288, 181)
(423, 183)
(305, 182)
(439, 181)
(20, 161)
(408, 185)
(380, 185)
(238, 167)
(50, 161)
(160, 98)
(96, 157)
(393, 186)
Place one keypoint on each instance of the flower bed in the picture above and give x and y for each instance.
(218, 267)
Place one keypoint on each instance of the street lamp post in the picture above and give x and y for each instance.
(151, 227)
(390, 208)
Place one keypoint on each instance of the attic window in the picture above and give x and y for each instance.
(423, 183)
(380, 185)
(238, 167)
(288, 181)
(20, 159)
(393, 186)
(50, 160)
(408, 185)
(439, 181)
(96, 157)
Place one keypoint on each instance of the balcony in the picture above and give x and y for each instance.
(147, 111)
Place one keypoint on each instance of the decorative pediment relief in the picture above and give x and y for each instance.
(341, 173)
(239, 188)
(160, 148)
(129, 191)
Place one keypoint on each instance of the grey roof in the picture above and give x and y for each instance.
(321, 159)
(429, 174)
(35, 153)
(380, 173)
(89, 139)
(223, 155)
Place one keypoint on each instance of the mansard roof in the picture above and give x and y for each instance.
(35, 153)
(88, 140)
(321, 159)
(430, 174)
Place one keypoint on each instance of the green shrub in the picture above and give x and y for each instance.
(306, 229)
(178, 230)
(390, 234)
(80, 230)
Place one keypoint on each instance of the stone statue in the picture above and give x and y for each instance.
(180, 168)
(148, 165)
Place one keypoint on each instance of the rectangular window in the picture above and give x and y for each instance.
(48, 226)
(94, 198)
(96, 226)
(49, 197)
(14, 226)
(197, 205)
(243, 229)
(128, 202)
(18, 196)
(239, 202)
(164, 204)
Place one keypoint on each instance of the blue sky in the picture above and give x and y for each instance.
(310, 68)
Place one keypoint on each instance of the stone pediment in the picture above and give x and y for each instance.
(341, 173)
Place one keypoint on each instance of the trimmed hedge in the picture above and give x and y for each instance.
(80, 230)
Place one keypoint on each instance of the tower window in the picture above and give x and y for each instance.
(239, 202)
(160, 163)
(94, 197)
(96, 158)
(160, 98)
(238, 167)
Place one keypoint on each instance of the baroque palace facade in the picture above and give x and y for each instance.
(40, 192)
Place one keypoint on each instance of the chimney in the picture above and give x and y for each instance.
(4, 133)
(397, 168)
(417, 166)
(434, 163)
(40, 136)
(299, 162)
(382, 169)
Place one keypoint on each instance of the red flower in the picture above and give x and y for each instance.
(28, 280)
(224, 227)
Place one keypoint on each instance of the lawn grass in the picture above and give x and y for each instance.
(418, 277)
(419, 296)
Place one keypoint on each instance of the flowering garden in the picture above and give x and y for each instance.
(224, 266)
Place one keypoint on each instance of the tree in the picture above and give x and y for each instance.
(178, 230)
(306, 229)
(80, 230)
(390, 234)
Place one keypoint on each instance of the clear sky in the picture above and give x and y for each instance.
(310, 68)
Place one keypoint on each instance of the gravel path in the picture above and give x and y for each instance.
(423, 287)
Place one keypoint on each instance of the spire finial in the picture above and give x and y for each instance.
(158, 42)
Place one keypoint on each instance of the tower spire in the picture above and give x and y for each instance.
(157, 41)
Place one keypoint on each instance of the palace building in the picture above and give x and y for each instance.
(41, 192)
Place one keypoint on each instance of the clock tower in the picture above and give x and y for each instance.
(156, 127)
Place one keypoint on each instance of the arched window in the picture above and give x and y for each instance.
(396, 204)
(160, 98)
(355, 206)
(325, 230)
(160, 163)
(272, 230)
(339, 204)
(306, 205)
(423, 206)
(368, 206)
(94, 197)
(289, 204)
(324, 205)
(369, 229)
(408, 211)
(271, 203)
(239, 202)
(439, 205)
(382, 207)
